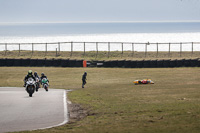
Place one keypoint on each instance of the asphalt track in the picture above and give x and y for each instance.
(19, 112)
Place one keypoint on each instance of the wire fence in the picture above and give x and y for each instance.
(108, 47)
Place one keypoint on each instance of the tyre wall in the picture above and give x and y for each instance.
(64, 63)
(41, 62)
(2, 62)
(9, 62)
(110, 64)
(25, 62)
(33, 62)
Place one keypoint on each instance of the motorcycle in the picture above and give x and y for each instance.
(144, 81)
(30, 86)
(37, 84)
(45, 83)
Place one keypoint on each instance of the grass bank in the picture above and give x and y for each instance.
(101, 55)
(117, 105)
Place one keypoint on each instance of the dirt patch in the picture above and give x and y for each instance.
(76, 112)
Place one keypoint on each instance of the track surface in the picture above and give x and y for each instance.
(19, 112)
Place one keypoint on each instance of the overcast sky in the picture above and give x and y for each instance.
(98, 10)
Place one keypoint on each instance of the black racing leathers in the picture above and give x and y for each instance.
(84, 80)
(27, 77)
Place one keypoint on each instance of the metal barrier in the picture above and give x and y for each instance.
(103, 46)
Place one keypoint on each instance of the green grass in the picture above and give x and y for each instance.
(116, 105)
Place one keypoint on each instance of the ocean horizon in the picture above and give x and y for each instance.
(138, 32)
(55, 29)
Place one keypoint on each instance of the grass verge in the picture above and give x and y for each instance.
(101, 55)
(116, 105)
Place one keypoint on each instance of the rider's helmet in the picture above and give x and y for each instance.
(30, 73)
(42, 74)
(35, 73)
(85, 73)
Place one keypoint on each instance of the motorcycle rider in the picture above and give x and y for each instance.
(29, 75)
(36, 75)
(84, 79)
(43, 76)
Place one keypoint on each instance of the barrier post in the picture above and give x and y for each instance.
(192, 49)
(46, 49)
(108, 49)
(157, 50)
(132, 49)
(180, 49)
(169, 50)
(97, 48)
(71, 48)
(122, 49)
(84, 48)
(19, 48)
(59, 48)
(5, 49)
(32, 48)
(146, 49)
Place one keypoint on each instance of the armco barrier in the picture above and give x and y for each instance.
(153, 63)
(33, 62)
(2, 62)
(173, 63)
(9, 62)
(25, 62)
(146, 63)
(41, 62)
(159, 63)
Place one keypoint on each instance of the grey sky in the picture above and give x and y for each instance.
(98, 10)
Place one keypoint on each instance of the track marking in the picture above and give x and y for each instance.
(66, 116)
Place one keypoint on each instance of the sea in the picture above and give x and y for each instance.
(116, 33)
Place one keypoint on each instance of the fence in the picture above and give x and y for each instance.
(121, 47)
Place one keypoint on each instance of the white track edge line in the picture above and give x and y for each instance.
(66, 119)
(66, 114)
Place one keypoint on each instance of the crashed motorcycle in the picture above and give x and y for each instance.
(30, 86)
(45, 83)
(144, 81)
